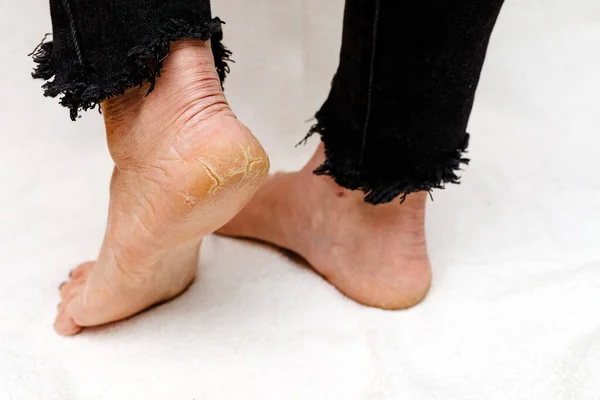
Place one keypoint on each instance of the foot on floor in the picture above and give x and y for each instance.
(376, 255)
(184, 165)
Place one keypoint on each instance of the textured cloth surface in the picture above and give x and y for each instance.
(513, 311)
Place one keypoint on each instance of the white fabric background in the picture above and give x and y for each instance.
(514, 308)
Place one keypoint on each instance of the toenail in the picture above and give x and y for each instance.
(61, 285)
(71, 273)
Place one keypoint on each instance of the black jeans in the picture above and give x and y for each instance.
(396, 117)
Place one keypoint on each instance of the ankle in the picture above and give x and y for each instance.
(192, 87)
(188, 70)
(414, 202)
(187, 93)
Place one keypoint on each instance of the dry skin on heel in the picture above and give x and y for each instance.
(178, 178)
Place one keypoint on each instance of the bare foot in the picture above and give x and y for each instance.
(375, 255)
(184, 165)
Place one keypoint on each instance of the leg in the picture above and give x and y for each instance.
(184, 164)
(394, 125)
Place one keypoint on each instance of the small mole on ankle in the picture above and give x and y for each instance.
(341, 194)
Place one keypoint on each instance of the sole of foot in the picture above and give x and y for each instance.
(375, 255)
(184, 165)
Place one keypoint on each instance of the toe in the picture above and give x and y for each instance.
(71, 293)
(82, 271)
(64, 289)
(64, 324)
(67, 289)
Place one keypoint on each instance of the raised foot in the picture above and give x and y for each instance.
(184, 165)
(376, 255)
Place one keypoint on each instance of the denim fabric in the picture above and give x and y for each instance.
(102, 47)
(395, 120)
(396, 117)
